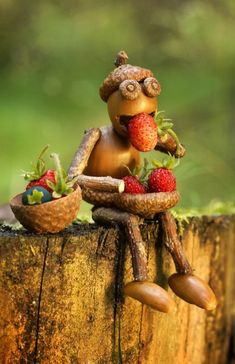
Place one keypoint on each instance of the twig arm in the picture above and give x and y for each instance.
(107, 184)
(83, 153)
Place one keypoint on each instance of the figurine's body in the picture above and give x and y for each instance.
(128, 91)
(118, 153)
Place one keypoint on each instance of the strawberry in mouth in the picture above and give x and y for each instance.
(142, 131)
(125, 119)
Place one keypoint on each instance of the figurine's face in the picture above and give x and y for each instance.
(121, 109)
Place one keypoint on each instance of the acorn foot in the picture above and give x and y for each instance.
(150, 294)
(193, 289)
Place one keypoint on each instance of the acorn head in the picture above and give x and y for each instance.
(129, 90)
(124, 72)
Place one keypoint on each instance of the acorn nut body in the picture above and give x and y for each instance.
(193, 290)
(151, 295)
(111, 155)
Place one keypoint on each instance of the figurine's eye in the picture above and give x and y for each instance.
(130, 89)
(151, 87)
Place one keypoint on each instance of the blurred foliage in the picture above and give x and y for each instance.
(54, 55)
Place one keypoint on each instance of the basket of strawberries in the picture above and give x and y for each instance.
(50, 201)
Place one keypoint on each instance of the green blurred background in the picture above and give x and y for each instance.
(55, 54)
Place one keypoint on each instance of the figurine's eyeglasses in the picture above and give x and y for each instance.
(130, 89)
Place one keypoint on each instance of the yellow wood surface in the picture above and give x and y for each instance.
(61, 301)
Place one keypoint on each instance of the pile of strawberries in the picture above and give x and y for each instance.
(160, 179)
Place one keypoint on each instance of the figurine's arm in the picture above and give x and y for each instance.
(83, 153)
(80, 161)
(167, 144)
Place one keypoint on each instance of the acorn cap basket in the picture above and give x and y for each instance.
(145, 205)
(49, 217)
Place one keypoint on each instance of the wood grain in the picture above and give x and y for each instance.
(61, 301)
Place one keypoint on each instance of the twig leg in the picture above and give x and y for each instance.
(173, 243)
(140, 289)
(130, 223)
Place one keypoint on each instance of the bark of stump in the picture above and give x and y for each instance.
(61, 302)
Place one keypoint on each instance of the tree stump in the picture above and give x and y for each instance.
(61, 300)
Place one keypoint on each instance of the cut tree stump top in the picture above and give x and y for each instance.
(61, 300)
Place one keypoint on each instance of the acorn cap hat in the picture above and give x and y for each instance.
(124, 71)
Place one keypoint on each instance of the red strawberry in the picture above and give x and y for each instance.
(161, 180)
(142, 131)
(42, 181)
(133, 185)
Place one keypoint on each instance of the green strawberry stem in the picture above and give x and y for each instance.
(59, 173)
(165, 126)
(41, 166)
(145, 171)
(43, 151)
(62, 186)
(39, 169)
(174, 136)
(139, 171)
(169, 163)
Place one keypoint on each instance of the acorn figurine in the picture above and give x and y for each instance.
(101, 163)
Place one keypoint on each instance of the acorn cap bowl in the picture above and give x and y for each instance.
(147, 204)
(49, 217)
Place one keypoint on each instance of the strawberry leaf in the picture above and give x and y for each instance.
(50, 184)
(165, 126)
(157, 164)
(56, 194)
(62, 185)
(68, 191)
(38, 169)
(169, 162)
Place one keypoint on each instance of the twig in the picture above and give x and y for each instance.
(173, 244)
(83, 153)
(107, 184)
(131, 224)
(167, 144)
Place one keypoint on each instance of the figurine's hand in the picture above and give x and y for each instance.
(167, 144)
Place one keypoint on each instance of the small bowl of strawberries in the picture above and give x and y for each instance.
(50, 201)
